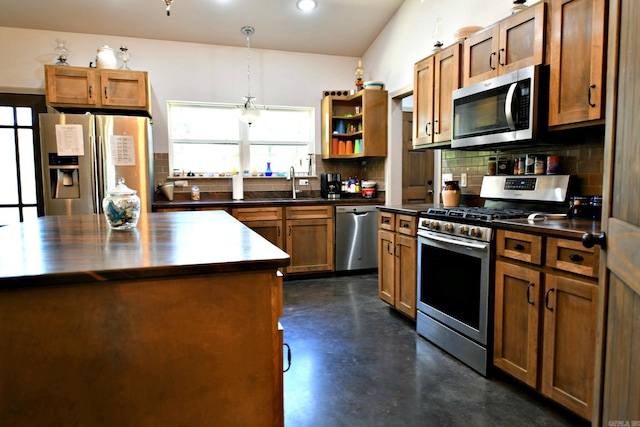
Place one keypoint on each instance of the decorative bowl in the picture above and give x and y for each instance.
(374, 84)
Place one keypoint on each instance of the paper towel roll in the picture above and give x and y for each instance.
(238, 191)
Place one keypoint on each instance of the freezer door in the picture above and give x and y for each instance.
(68, 164)
(125, 151)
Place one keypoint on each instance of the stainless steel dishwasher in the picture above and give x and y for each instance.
(356, 237)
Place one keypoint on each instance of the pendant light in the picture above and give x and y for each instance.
(249, 112)
(168, 4)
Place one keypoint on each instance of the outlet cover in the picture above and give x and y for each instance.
(463, 180)
(447, 177)
(303, 182)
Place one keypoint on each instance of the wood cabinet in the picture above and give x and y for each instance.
(577, 68)
(79, 87)
(515, 42)
(363, 117)
(545, 315)
(397, 252)
(310, 238)
(435, 78)
(267, 222)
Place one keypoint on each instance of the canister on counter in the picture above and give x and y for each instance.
(553, 165)
(539, 164)
(521, 165)
(530, 167)
(504, 166)
(491, 166)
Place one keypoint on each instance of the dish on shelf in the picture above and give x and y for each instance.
(374, 84)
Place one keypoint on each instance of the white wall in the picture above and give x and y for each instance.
(407, 39)
(183, 71)
(197, 72)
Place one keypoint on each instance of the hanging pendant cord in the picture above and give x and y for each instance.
(248, 31)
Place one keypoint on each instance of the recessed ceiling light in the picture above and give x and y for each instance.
(306, 5)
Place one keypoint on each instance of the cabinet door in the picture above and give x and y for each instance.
(309, 243)
(570, 316)
(270, 230)
(70, 86)
(123, 89)
(577, 61)
(522, 39)
(375, 110)
(386, 266)
(480, 55)
(405, 274)
(447, 79)
(423, 78)
(516, 321)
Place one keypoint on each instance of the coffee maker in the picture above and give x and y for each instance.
(330, 185)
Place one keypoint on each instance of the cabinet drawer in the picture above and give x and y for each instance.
(519, 246)
(387, 221)
(257, 214)
(309, 212)
(571, 256)
(406, 224)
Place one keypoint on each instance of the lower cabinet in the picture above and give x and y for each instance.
(397, 257)
(545, 316)
(267, 222)
(310, 238)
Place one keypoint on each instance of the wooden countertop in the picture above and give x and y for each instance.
(566, 228)
(82, 249)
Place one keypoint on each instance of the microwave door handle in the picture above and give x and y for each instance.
(508, 106)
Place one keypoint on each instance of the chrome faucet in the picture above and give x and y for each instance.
(292, 176)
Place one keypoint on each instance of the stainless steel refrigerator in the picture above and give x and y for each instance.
(83, 156)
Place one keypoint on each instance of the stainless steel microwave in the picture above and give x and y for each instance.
(501, 111)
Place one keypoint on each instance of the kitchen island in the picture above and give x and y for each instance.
(172, 323)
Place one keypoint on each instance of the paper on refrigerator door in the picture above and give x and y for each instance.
(238, 191)
(122, 150)
(69, 140)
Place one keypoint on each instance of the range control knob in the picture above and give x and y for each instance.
(464, 229)
(425, 223)
(434, 225)
(475, 231)
(448, 227)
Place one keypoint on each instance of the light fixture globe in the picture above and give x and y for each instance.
(306, 5)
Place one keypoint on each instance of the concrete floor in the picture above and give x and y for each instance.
(358, 362)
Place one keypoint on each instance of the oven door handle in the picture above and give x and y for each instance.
(455, 242)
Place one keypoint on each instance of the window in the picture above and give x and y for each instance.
(19, 157)
(209, 138)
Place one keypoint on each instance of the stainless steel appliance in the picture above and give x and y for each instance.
(502, 110)
(456, 258)
(356, 237)
(83, 155)
(330, 185)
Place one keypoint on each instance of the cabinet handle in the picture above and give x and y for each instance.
(589, 240)
(546, 299)
(589, 95)
(278, 227)
(405, 225)
(491, 60)
(389, 251)
(529, 294)
(289, 230)
(105, 93)
(500, 59)
(90, 91)
(426, 129)
(385, 220)
(288, 357)
(576, 258)
(434, 127)
(518, 247)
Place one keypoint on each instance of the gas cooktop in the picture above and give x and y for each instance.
(482, 214)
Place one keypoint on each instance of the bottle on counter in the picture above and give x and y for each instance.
(491, 166)
(195, 193)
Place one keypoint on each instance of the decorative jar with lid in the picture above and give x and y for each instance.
(121, 207)
(106, 58)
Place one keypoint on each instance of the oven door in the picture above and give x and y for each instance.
(453, 283)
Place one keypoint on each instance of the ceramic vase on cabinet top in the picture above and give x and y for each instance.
(106, 58)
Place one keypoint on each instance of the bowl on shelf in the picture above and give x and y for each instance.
(368, 184)
(373, 84)
(464, 32)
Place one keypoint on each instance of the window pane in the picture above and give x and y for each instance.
(202, 122)
(24, 116)
(6, 116)
(205, 157)
(9, 216)
(27, 166)
(30, 213)
(281, 157)
(8, 172)
(282, 126)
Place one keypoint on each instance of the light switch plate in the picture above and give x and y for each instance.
(463, 180)
(447, 177)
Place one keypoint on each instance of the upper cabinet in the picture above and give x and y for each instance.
(79, 87)
(355, 125)
(513, 43)
(435, 78)
(577, 66)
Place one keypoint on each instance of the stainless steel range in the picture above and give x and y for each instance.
(456, 260)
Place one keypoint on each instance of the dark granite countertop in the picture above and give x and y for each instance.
(408, 209)
(304, 201)
(564, 228)
(57, 250)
